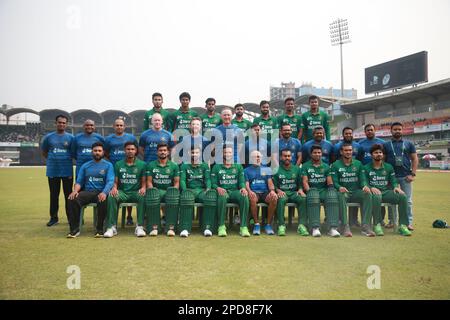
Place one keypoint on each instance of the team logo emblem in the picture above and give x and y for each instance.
(263, 174)
(234, 171)
(135, 170)
(102, 171)
(66, 143)
(354, 169)
(163, 139)
(384, 172)
(167, 170)
(321, 170)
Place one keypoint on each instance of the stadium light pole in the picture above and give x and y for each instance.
(339, 35)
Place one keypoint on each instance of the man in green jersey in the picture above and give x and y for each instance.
(195, 183)
(288, 185)
(318, 186)
(181, 118)
(157, 101)
(129, 186)
(239, 119)
(210, 119)
(349, 179)
(313, 118)
(385, 188)
(228, 179)
(163, 182)
(268, 124)
(291, 118)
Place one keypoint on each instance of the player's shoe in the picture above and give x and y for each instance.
(257, 230)
(403, 230)
(139, 231)
(268, 229)
(52, 222)
(347, 232)
(98, 234)
(301, 230)
(109, 233)
(378, 230)
(244, 232)
(153, 233)
(130, 221)
(281, 231)
(366, 230)
(184, 234)
(334, 233)
(222, 232)
(171, 233)
(207, 233)
(73, 234)
(316, 233)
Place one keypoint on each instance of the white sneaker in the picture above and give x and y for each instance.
(109, 233)
(139, 232)
(207, 233)
(334, 233)
(316, 233)
(114, 230)
(153, 233)
(171, 233)
(184, 234)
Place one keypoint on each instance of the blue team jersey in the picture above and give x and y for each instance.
(59, 149)
(258, 178)
(96, 176)
(356, 147)
(149, 141)
(402, 148)
(259, 144)
(365, 145)
(114, 144)
(327, 150)
(292, 144)
(187, 143)
(82, 147)
(230, 134)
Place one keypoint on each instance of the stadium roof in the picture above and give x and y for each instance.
(428, 90)
(10, 112)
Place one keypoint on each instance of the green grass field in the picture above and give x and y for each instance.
(34, 258)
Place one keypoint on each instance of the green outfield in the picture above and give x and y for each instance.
(34, 258)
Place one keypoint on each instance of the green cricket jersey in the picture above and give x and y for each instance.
(195, 177)
(148, 118)
(310, 121)
(295, 121)
(267, 125)
(228, 178)
(129, 175)
(383, 178)
(352, 177)
(288, 179)
(244, 124)
(163, 176)
(210, 122)
(317, 176)
(181, 120)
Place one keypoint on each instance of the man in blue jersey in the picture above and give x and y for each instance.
(81, 147)
(255, 142)
(94, 182)
(180, 154)
(260, 188)
(287, 142)
(115, 151)
(318, 139)
(367, 143)
(150, 139)
(56, 148)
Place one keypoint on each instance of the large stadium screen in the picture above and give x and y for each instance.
(412, 69)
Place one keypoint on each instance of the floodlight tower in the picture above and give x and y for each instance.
(339, 35)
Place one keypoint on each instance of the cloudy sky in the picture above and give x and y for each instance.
(113, 54)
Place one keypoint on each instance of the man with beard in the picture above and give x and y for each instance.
(150, 139)
(195, 184)
(129, 186)
(350, 180)
(288, 184)
(239, 119)
(287, 142)
(327, 147)
(81, 147)
(94, 181)
(385, 188)
(267, 123)
(163, 182)
(210, 119)
(367, 143)
(157, 100)
(228, 179)
(313, 118)
(402, 155)
(291, 118)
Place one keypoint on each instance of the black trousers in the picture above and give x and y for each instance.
(85, 197)
(54, 185)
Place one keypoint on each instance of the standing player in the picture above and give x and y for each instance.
(254, 142)
(313, 118)
(260, 188)
(163, 183)
(195, 183)
(291, 118)
(350, 180)
(157, 100)
(181, 152)
(287, 142)
(385, 188)
(268, 124)
(327, 147)
(318, 186)
(94, 181)
(367, 143)
(210, 119)
(57, 150)
(181, 118)
(228, 179)
(239, 119)
(81, 147)
(289, 189)
(150, 139)
(129, 186)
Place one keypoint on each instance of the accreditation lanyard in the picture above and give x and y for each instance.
(403, 149)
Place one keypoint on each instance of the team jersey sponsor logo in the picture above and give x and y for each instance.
(102, 171)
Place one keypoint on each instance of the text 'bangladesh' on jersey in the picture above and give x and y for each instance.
(163, 176)
(231, 178)
(317, 175)
(130, 175)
